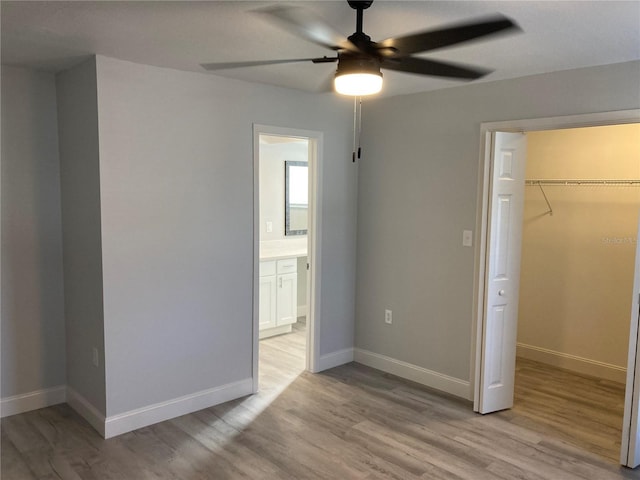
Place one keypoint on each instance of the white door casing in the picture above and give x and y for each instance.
(630, 451)
(502, 271)
(314, 246)
(632, 400)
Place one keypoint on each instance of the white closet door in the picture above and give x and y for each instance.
(503, 272)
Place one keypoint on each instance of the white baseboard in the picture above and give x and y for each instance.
(26, 402)
(429, 378)
(159, 412)
(335, 359)
(270, 332)
(302, 311)
(86, 410)
(126, 422)
(574, 363)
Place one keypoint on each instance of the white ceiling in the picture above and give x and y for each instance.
(558, 35)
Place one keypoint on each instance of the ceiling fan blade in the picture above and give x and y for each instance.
(422, 66)
(309, 26)
(226, 65)
(433, 39)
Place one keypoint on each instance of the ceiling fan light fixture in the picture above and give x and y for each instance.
(358, 84)
(357, 76)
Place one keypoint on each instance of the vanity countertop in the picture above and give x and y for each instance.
(275, 249)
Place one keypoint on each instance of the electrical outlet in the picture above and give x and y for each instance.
(96, 358)
(388, 317)
(269, 227)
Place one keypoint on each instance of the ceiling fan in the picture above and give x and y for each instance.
(360, 59)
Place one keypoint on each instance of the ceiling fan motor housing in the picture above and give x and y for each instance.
(360, 4)
(353, 63)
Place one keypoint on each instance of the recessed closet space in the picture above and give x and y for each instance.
(283, 225)
(582, 201)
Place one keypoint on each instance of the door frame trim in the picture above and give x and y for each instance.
(629, 447)
(313, 243)
(483, 213)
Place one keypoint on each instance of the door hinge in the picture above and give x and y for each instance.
(307, 266)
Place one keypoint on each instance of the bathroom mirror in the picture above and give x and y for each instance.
(296, 198)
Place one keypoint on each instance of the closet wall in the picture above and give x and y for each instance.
(577, 264)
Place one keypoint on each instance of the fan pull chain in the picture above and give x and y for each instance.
(355, 123)
(359, 125)
(357, 128)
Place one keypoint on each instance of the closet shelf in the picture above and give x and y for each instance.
(582, 182)
(551, 182)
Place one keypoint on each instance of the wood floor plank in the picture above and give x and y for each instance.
(12, 464)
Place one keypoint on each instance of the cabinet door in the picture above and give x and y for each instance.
(287, 299)
(267, 311)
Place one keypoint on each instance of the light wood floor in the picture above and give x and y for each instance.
(351, 422)
(282, 358)
(584, 411)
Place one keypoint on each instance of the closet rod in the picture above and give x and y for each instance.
(551, 182)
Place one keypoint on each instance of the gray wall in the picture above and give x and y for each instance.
(33, 340)
(80, 184)
(422, 151)
(176, 173)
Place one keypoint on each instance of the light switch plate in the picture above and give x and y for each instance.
(467, 238)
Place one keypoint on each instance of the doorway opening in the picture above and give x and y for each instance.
(286, 250)
(535, 313)
(576, 279)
